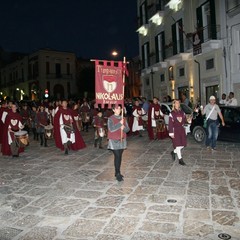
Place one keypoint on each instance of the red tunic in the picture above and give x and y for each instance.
(156, 116)
(177, 119)
(116, 135)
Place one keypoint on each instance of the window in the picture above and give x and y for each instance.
(22, 75)
(209, 64)
(206, 21)
(177, 37)
(159, 46)
(68, 68)
(162, 77)
(47, 67)
(58, 70)
(181, 72)
(212, 90)
(147, 81)
(160, 5)
(143, 13)
(145, 55)
(35, 70)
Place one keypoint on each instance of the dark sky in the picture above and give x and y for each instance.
(90, 28)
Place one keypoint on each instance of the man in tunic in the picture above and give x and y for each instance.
(66, 134)
(12, 124)
(42, 122)
(155, 117)
(138, 112)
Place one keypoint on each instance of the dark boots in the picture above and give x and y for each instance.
(181, 162)
(173, 155)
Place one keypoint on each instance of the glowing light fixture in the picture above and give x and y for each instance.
(114, 53)
(157, 18)
(143, 30)
(173, 4)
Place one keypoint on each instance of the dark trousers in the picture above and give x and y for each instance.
(117, 159)
(43, 139)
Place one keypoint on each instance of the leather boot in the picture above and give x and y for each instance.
(181, 162)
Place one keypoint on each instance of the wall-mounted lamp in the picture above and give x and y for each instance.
(170, 73)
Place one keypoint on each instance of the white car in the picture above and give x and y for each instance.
(166, 108)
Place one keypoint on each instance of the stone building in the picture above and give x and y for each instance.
(44, 71)
(189, 47)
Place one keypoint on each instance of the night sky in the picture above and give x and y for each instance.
(89, 28)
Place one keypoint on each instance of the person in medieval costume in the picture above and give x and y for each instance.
(12, 124)
(177, 119)
(117, 129)
(41, 122)
(66, 134)
(138, 112)
(25, 113)
(155, 121)
(98, 124)
(85, 114)
(3, 113)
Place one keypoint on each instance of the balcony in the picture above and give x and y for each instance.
(153, 9)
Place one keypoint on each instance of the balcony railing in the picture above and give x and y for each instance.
(154, 8)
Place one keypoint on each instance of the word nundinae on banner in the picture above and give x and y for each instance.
(109, 82)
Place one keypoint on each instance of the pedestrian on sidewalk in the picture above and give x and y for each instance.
(177, 119)
(212, 112)
(117, 129)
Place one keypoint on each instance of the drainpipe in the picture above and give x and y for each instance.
(199, 80)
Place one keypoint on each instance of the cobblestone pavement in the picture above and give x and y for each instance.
(47, 195)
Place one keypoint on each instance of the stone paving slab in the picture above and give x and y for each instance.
(46, 195)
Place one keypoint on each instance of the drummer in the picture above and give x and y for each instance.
(41, 123)
(13, 123)
(98, 124)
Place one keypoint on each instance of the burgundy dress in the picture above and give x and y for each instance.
(177, 119)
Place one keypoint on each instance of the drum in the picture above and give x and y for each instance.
(85, 117)
(21, 138)
(145, 117)
(48, 131)
(101, 132)
(160, 125)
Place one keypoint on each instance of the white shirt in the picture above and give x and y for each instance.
(232, 102)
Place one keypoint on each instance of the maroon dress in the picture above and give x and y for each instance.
(177, 119)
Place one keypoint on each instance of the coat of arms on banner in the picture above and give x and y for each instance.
(109, 83)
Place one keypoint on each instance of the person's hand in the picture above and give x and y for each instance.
(122, 121)
(223, 123)
(122, 127)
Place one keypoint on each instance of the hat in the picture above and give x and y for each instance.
(212, 98)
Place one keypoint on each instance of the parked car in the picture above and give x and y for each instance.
(166, 108)
(229, 132)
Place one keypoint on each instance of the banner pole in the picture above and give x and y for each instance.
(123, 79)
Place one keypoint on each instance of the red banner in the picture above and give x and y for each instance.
(109, 82)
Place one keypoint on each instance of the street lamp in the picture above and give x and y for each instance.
(114, 53)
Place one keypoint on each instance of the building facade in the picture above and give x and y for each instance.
(34, 75)
(189, 47)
